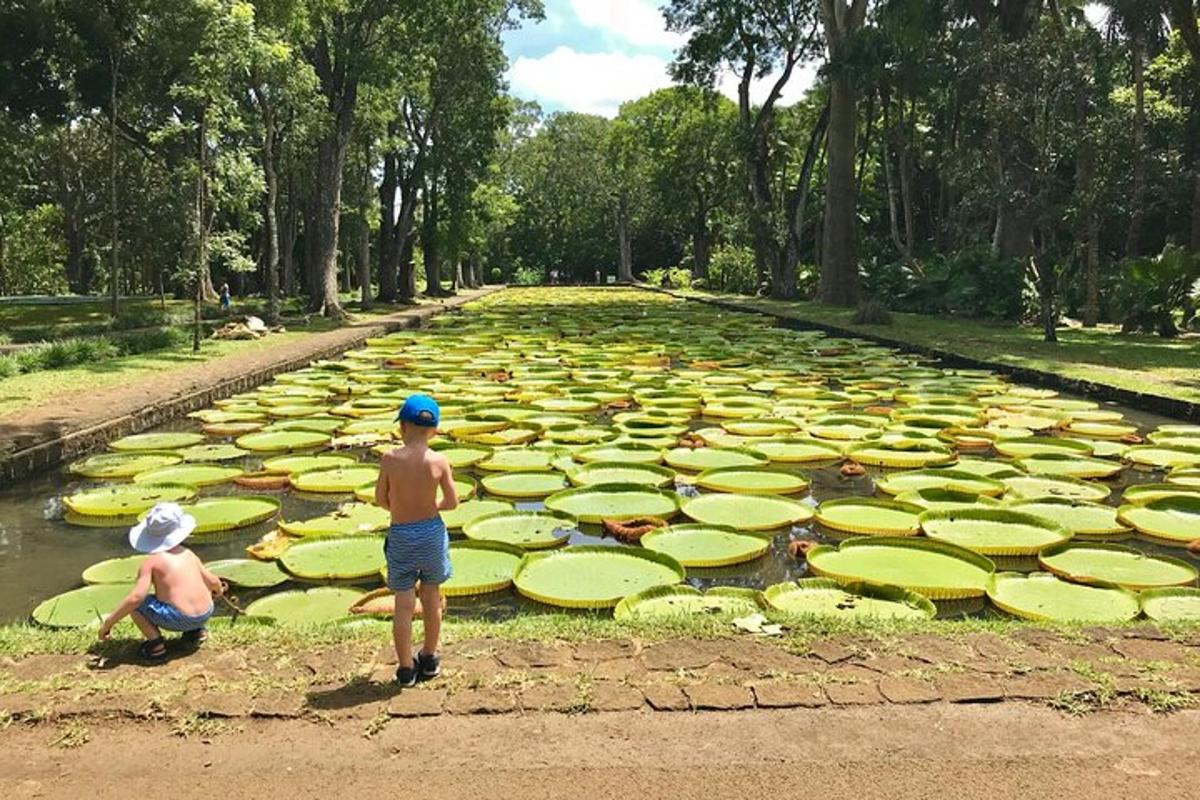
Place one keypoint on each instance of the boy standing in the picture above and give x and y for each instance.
(183, 588)
(417, 546)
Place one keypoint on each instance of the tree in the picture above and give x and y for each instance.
(755, 40)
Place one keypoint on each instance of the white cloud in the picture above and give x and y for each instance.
(594, 83)
(639, 22)
(1097, 15)
(802, 79)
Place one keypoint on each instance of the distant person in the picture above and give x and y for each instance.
(417, 546)
(226, 297)
(183, 589)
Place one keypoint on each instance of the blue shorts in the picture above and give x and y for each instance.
(417, 551)
(169, 618)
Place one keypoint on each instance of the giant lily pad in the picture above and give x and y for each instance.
(747, 512)
(481, 567)
(347, 520)
(1033, 487)
(823, 597)
(249, 573)
(1097, 563)
(335, 558)
(596, 472)
(472, 510)
(593, 576)
(1142, 493)
(1162, 456)
(686, 601)
(622, 452)
(335, 480)
(1175, 604)
(706, 545)
(1175, 520)
(122, 570)
(124, 501)
(215, 514)
(122, 465)
(796, 450)
(518, 459)
(619, 501)
(937, 570)
(1043, 597)
(190, 475)
(523, 484)
(1081, 517)
(288, 465)
(751, 480)
(949, 479)
(530, 530)
(866, 515)
(315, 606)
(282, 441)
(1070, 465)
(81, 608)
(156, 441)
(705, 458)
(993, 531)
(910, 454)
(944, 499)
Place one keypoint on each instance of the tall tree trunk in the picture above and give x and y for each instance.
(408, 272)
(906, 179)
(766, 249)
(200, 232)
(840, 284)
(1133, 240)
(798, 197)
(430, 246)
(700, 244)
(364, 230)
(389, 246)
(331, 159)
(1196, 205)
(270, 206)
(624, 246)
(1085, 178)
(114, 209)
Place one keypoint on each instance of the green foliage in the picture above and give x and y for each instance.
(1153, 290)
(527, 276)
(33, 252)
(973, 282)
(679, 278)
(732, 270)
(655, 277)
(496, 275)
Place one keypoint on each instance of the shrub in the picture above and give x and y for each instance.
(679, 278)
(496, 275)
(655, 277)
(131, 319)
(731, 269)
(527, 276)
(153, 339)
(971, 282)
(8, 367)
(1154, 289)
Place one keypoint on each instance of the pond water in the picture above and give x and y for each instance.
(42, 555)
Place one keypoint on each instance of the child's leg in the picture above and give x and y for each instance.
(402, 626)
(148, 629)
(431, 615)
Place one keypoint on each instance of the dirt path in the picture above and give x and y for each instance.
(993, 752)
(56, 432)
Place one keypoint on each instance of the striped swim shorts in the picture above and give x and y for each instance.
(417, 551)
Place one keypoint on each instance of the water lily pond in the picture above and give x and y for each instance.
(619, 451)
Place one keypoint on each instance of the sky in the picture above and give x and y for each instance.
(593, 55)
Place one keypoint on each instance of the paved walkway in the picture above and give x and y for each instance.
(51, 434)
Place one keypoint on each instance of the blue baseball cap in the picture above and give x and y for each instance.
(421, 410)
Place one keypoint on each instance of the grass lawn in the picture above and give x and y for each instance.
(1148, 364)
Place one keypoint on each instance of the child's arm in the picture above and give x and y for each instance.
(381, 488)
(214, 584)
(449, 491)
(131, 601)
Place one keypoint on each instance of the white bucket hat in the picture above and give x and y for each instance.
(165, 526)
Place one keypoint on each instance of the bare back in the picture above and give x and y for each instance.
(178, 578)
(408, 482)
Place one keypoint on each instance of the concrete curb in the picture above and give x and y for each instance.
(1152, 403)
(39, 450)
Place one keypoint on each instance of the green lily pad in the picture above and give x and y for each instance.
(944, 499)
(282, 441)
(618, 501)
(122, 570)
(796, 450)
(595, 472)
(519, 459)
(684, 601)
(249, 573)
(822, 597)
(706, 546)
(1162, 456)
(122, 465)
(751, 480)
(289, 465)
(1143, 493)
(866, 515)
(481, 567)
(1097, 563)
(156, 441)
(747, 512)
(705, 458)
(937, 570)
(1043, 597)
(622, 452)
(81, 608)
(593, 576)
(316, 606)
(190, 475)
(212, 452)
(215, 514)
(529, 530)
(124, 501)
(911, 454)
(347, 520)
(462, 455)
(993, 531)
(1073, 465)
(1035, 487)
(1174, 604)
(523, 484)
(1081, 517)
(1175, 520)
(334, 480)
(335, 558)
(472, 510)
(948, 479)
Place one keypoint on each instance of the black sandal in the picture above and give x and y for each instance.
(196, 637)
(153, 649)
